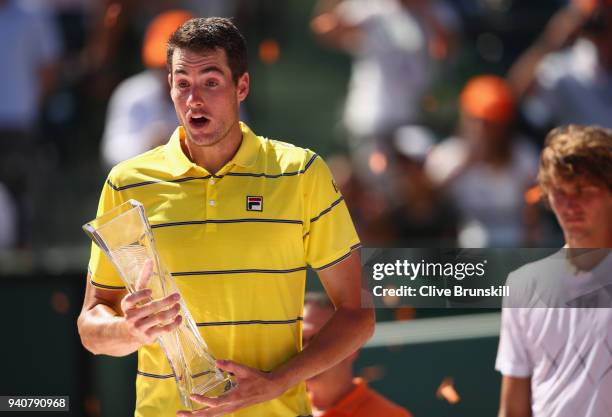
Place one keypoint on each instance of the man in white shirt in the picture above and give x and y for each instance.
(557, 362)
(486, 167)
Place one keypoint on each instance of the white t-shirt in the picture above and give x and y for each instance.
(567, 352)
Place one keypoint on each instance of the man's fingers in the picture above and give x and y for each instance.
(133, 299)
(237, 369)
(159, 318)
(210, 412)
(230, 397)
(156, 331)
(152, 307)
(145, 275)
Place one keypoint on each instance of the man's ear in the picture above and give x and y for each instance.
(170, 80)
(242, 86)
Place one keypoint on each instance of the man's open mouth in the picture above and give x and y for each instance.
(198, 121)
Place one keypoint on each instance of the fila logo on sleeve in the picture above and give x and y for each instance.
(254, 203)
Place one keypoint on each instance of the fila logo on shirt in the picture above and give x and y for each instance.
(254, 203)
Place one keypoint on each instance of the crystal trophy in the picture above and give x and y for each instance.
(125, 236)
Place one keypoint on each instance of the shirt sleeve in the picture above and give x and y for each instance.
(512, 356)
(101, 270)
(329, 233)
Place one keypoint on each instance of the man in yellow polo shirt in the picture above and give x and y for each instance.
(237, 219)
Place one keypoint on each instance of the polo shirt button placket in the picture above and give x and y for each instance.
(212, 204)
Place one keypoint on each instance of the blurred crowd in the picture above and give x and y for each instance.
(406, 184)
(83, 72)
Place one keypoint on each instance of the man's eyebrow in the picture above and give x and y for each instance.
(212, 68)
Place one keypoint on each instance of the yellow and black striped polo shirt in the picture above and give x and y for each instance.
(238, 244)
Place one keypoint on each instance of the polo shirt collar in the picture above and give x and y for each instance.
(179, 163)
(249, 148)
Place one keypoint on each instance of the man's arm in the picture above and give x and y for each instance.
(515, 398)
(116, 323)
(347, 330)
(560, 31)
(330, 29)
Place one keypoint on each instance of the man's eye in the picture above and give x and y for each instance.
(183, 84)
(558, 193)
(211, 83)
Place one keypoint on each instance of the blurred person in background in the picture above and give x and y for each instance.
(119, 24)
(140, 113)
(392, 66)
(336, 392)
(566, 76)
(368, 206)
(486, 168)
(557, 362)
(421, 214)
(30, 48)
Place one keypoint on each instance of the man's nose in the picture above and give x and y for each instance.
(195, 98)
(572, 202)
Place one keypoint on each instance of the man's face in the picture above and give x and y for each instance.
(484, 133)
(205, 97)
(583, 209)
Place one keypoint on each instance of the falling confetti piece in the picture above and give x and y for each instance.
(446, 391)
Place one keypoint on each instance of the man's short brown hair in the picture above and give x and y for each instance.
(207, 34)
(574, 152)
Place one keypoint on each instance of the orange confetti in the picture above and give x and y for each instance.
(269, 51)
(533, 195)
(446, 391)
(404, 313)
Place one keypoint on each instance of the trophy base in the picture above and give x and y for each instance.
(212, 390)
